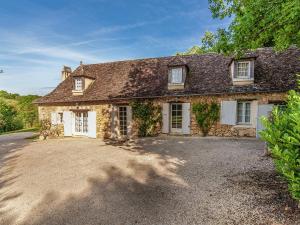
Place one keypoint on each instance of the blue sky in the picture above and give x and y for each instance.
(38, 37)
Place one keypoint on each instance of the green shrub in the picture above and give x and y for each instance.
(207, 114)
(282, 134)
(8, 118)
(147, 117)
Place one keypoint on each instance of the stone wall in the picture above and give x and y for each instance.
(220, 129)
(102, 118)
(104, 113)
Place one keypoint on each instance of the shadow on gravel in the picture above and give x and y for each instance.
(9, 155)
(270, 193)
(119, 199)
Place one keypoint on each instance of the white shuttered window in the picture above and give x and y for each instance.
(243, 112)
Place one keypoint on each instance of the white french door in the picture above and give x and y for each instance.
(176, 118)
(81, 123)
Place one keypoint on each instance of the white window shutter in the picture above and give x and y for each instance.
(92, 124)
(67, 120)
(129, 120)
(228, 112)
(165, 117)
(186, 118)
(114, 121)
(53, 118)
(262, 110)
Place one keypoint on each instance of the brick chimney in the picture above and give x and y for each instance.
(66, 71)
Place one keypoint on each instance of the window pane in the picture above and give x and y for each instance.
(78, 84)
(243, 112)
(176, 75)
(243, 70)
(247, 112)
(176, 118)
(123, 120)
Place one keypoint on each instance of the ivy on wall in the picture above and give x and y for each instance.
(147, 117)
(207, 114)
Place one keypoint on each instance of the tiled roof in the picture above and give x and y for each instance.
(208, 74)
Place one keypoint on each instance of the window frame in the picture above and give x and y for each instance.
(236, 70)
(243, 122)
(75, 83)
(123, 120)
(171, 71)
(177, 118)
(60, 116)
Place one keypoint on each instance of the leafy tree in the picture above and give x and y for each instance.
(28, 111)
(5, 94)
(8, 118)
(255, 24)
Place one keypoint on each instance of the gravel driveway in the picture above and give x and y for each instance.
(165, 180)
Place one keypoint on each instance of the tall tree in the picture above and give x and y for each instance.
(256, 23)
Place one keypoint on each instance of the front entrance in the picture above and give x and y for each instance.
(81, 123)
(176, 118)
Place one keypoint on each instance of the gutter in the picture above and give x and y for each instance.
(159, 96)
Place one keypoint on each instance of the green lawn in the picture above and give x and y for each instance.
(22, 130)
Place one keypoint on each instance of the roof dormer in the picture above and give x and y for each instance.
(81, 81)
(177, 73)
(242, 71)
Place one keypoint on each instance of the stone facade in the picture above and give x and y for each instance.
(102, 115)
(103, 111)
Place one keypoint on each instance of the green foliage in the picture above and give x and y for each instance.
(207, 114)
(17, 111)
(5, 94)
(28, 111)
(255, 24)
(147, 117)
(282, 134)
(8, 118)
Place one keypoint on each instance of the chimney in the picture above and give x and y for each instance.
(66, 71)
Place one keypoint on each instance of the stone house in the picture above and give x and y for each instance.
(94, 100)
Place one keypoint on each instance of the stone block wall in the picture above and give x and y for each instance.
(102, 118)
(104, 113)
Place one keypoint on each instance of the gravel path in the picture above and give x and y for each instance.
(166, 180)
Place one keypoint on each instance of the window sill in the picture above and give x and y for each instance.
(77, 92)
(243, 79)
(175, 86)
(245, 125)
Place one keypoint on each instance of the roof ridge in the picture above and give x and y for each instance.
(151, 58)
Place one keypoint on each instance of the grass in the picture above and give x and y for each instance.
(33, 129)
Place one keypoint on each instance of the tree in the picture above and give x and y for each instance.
(255, 24)
(27, 110)
(8, 118)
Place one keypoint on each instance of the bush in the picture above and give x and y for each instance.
(206, 115)
(8, 118)
(147, 117)
(282, 134)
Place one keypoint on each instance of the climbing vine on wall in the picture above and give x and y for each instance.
(207, 114)
(147, 117)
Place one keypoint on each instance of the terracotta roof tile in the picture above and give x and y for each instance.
(208, 74)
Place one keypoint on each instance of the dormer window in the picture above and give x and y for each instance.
(78, 84)
(176, 76)
(243, 70)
